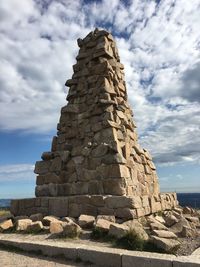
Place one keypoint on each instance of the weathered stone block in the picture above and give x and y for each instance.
(42, 167)
(97, 201)
(47, 220)
(74, 210)
(125, 213)
(118, 230)
(86, 221)
(21, 225)
(123, 202)
(106, 211)
(114, 187)
(58, 206)
(5, 225)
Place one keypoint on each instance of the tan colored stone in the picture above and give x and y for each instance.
(170, 220)
(140, 212)
(159, 219)
(155, 205)
(137, 228)
(118, 230)
(86, 221)
(71, 229)
(123, 202)
(5, 225)
(166, 244)
(22, 224)
(164, 234)
(47, 220)
(56, 227)
(113, 171)
(114, 187)
(109, 218)
(102, 225)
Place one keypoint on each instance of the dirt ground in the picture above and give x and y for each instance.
(188, 245)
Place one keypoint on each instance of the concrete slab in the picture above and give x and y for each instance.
(99, 254)
(135, 259)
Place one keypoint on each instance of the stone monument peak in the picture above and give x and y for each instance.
(96, 165)
(96, 150)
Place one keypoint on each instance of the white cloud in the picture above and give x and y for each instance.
(17, 172)
(159, 46)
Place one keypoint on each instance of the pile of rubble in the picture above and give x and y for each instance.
(164, 230)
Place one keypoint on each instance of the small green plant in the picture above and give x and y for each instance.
(131, 241)
(98, 234)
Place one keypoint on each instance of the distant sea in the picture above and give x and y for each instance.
(185, 199)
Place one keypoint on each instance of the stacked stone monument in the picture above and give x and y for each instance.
(96, 165)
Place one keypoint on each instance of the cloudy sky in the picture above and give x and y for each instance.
(159, 44)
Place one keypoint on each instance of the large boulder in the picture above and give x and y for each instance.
(71, 229)
(5, 225)
(56, 227)
(118, 230)
(86, 221)
(168, 245)
(22, 224)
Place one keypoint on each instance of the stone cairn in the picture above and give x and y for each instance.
(96, 165)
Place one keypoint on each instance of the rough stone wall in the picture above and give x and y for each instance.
(96, 151)
(122, 207)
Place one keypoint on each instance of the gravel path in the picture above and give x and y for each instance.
(12, 259)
